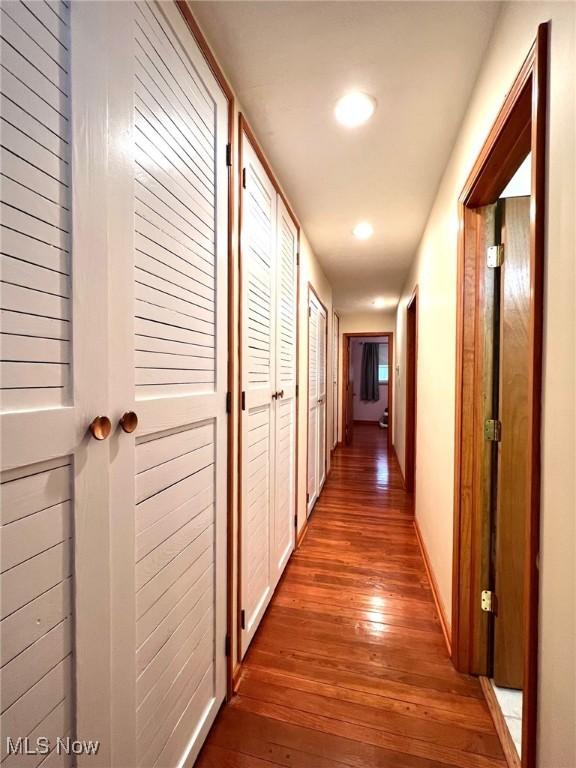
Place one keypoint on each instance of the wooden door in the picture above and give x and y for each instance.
(335, 366)
(258, 374)
(513, 454)
(284, 528)
(56, 528)
(168, 214)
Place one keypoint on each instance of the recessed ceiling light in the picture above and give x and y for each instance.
(379, 303)
(363, 230)
(354, 108)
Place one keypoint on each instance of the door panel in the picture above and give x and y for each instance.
(486, 454)
(513, 500)
(316, 399)
(55, 622)
(258, 363)
(285, 418)
(169, 365)
(322, 396)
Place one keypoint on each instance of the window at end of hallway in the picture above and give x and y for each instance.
(382, 363)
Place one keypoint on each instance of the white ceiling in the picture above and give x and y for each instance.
(289, 62)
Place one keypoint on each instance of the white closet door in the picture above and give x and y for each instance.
(285, 432)
(335, 364)
(168, 200)
(55, 621)
(322, 389)
(313, 469)
(258, 345)
(316, 399)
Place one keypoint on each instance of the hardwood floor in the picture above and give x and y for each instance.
(349, 666)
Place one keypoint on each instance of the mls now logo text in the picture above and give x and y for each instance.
(24, 745)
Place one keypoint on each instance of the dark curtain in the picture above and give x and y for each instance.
(369, 389)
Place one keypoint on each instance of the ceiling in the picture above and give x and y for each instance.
(289, 62)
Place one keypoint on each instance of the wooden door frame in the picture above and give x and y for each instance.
(312, 291)
(519, 128)
(202, 43)
(411, 399)
(244, 130)
(346, 337)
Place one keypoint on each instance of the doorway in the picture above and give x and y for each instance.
(499, 372)
(317, 387)
(411, 389)
(367, 391)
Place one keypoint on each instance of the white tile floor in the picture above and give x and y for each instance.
(510, 702)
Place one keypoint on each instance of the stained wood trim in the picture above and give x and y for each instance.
(345, 365)
(302, 534)
(251, 136)
(508, 746)
(204, 46)
(537, 256)
(399, 467)
(519, 128)
(202, 43)
(435, 589)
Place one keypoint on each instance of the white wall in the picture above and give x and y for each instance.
(434, 271)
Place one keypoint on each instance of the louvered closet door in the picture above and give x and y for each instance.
(168, 202)
(322, 390)
(313, 468)
(258, 246)
(55, 622)
(335, 364)
(285, 433)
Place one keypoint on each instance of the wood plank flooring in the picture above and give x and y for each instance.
(349, 666)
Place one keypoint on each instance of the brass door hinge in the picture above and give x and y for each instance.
(487, 601)
(493, 430)
(495, 256)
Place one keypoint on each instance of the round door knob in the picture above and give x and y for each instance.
(129, 421)
(100, 427)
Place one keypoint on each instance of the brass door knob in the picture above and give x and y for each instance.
(129, 421)
(100, 427)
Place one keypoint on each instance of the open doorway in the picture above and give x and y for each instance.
(497, 471)
(411, 379)
(367, 391)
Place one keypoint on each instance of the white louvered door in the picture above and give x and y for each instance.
(114, 300)
(322, 388)
(284, 528)
(269, 243)
(258, 373)
(170, 209)
(316, 399)
(55, 527)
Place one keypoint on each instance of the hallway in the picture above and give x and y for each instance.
(349, 666)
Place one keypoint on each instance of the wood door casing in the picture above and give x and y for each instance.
(513, 456)
(411, 392)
